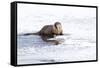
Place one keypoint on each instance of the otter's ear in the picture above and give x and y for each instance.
(55, 26)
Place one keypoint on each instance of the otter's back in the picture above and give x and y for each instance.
(47, 29)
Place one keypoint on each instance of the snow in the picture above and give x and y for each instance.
(78, 22)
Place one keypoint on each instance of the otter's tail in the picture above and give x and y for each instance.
(37, 33)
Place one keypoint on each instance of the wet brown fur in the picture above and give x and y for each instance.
(50, 31)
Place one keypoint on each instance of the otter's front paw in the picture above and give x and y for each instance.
(57, 42)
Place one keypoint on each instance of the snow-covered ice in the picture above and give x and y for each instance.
(79, 23)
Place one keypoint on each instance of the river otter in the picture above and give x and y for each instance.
(49, 31)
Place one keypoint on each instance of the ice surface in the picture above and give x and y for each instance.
(33, 50)
(79, 45)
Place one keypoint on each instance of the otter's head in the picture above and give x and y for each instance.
(58, 25)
